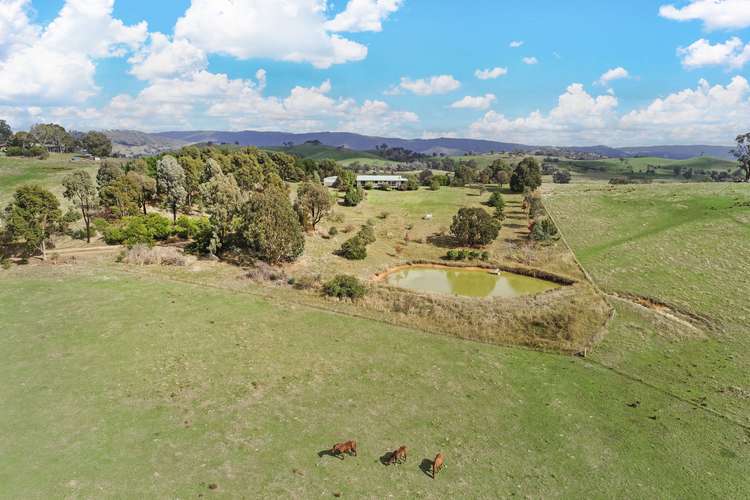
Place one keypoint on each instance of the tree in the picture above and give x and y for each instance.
(425, 177)
(527, 174)
(412, 183)
(52, 136)
(502, 178)
(474, 227)
(543, 230)
(346, 180)
(80, 190)
(170, 179)
(498, 203)
(435, 185)
(742, 153)
(33, 217)
(223, 200)
(193, 166)
(5, 132)
(313, 202)
(561, 177)
(353, 196)
(121, 197)
(108, 173)
(97, 144)
(145, 187)
(270, 228)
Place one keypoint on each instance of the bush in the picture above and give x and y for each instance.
(144, 255)
(189, 228)
(561, 177)
(140, 229)
(435, 185)
(353, 249)
(367, 234)
(459, 255)
(345, 287)
(31, 152)
(543, 230)
(333, 231)
(353, 196)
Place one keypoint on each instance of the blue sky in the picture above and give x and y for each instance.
(384, 67)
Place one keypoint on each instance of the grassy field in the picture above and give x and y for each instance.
(121, 381)
(141, 387)
(49, 173)
(686, 245)
(664, 168)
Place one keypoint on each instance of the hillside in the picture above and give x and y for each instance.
(131, 142)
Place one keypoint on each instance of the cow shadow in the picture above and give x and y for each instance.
(386, 458)
(329, 453)
(426, 467)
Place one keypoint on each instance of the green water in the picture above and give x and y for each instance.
(468, 283)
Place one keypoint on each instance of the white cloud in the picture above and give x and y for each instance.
(289, 30)
(618, 73)
(530, 60)
(577, 117)
(480, 102)
(707, 114)
(490, 74)
(704, 115)
(516, 43)
(715, 14)
(55, 64)
(733, 54)
(163, 58)
(363, 15)
(442, 84)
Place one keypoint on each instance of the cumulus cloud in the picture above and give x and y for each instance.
(516, 43)
(530, 60)
(618, 73)
(707, 114)
(713, 114)
(164, 58)
(480, 102)
(442, 84)
(292, 30)
(490, 74)
(363, 15)
(715, 14)
(733, 54)
(56, 64)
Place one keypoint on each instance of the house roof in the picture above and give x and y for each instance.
(381, 178)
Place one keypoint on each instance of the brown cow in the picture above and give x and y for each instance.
(437, 464)
(347, 448)
(398, 456)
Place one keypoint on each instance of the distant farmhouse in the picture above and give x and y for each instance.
(376, 181)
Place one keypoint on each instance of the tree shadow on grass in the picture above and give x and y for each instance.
(442, 240)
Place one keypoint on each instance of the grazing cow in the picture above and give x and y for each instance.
(437, 464)
(398, 456)
(347, 448)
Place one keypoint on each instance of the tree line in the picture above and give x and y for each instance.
(44, 138)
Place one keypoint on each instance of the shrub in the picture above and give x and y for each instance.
(435, 185)
(140, 229)
(561, 177)
(367, 235)
(353, 249)
(189, 228)
(543, 230)
(333, 231)
(144, 255)
(345, 287)
(353, 196)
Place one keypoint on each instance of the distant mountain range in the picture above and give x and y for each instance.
(138, 143)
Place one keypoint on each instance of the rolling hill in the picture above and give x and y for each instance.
(134, 142)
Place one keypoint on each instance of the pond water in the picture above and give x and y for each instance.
(468, 283)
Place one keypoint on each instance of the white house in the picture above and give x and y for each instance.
(392, 181)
